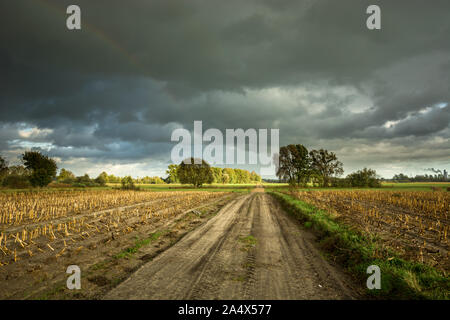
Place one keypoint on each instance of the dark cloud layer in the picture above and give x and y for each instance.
(114, 91)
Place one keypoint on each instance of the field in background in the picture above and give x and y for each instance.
(385, 186)
(410, 186)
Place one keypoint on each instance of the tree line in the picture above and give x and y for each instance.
(38, 170)
(439, 177)
(300, 167)
(187, 172)
(67, 177)
(297, 166)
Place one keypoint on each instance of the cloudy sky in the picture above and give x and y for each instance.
(108, 97)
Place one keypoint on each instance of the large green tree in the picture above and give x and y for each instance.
(217, 174)
(189, 172)
(102, 178)
(128, 183)
(228, 176)
(172, 171)
(294, 164)
(43, 168)
(364, 178)
(326, 164)
(66, 176)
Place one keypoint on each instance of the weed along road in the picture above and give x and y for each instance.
(250, 250)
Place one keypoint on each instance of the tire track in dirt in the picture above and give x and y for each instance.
(215, 261)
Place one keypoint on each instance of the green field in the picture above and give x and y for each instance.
(410, 186)
(388, 186)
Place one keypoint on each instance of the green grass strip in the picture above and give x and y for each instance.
(400, 279)
(139, 243)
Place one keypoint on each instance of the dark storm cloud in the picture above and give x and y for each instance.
(137, 69)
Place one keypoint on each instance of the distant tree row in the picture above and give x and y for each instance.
(438, 177)
(38, 170)
(300, 167)
(65, 176)
(186, 172)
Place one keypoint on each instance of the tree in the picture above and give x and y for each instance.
(326, 164)
(364, 178)
(128, 183)
(294, 164)
(43, 168)
(197, 174)
(19, 171)
(151, 180)
(401, 177)
(228, 175)
(255, 177)
(113, 179)
(84, 179)
(217, 174)
(66, 176)
(3, 168)
(243, 175)
(102, 178)
(172, 171)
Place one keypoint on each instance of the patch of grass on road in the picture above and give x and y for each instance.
(248, 242)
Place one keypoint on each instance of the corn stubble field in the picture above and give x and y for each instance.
(39, 229)
(413, 223)
(54, 223)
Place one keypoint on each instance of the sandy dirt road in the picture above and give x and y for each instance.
(250, 250)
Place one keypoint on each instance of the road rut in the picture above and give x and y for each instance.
(250, 250)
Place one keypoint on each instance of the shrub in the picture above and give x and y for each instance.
(364, 178)
(16, 182)
(128, 183)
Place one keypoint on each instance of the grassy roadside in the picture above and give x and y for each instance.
(400, 279)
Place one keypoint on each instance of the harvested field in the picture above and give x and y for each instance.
(39, 229)
(414, 223)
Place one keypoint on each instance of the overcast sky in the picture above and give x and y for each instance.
(108, 97)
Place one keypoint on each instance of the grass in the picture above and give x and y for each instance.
(400, 279)
(49, 294)
(248, 242)
(408, 186)
(139, 243)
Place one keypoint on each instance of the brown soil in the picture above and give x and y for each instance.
(250, 250)
(411, 240)
(105, 259)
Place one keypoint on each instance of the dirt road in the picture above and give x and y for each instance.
(250, 250)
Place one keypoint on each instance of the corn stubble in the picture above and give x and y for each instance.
(413, 223)
(43, 222)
